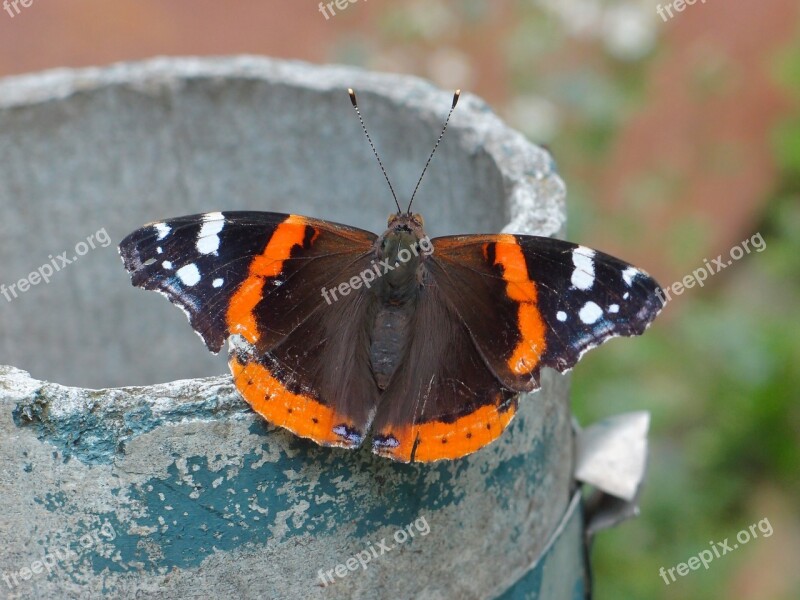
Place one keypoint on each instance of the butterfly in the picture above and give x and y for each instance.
(420, 346)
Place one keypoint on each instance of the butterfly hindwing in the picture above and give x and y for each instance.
(317, 381)
(442, 401)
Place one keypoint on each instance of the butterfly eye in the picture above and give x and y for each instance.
(392, 218)
(417, 218)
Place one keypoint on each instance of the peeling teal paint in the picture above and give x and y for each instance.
(249, 507)
(220, 518)
(96, 439)
(180, 519)
(140, 420)
(52, 502)
(532, 461)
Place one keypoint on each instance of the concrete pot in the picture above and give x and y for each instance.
(178, 490)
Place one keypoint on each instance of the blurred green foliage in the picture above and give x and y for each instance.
(721, 379)
(720, 374)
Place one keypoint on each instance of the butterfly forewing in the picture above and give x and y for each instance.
(530, 301)
(256, 274)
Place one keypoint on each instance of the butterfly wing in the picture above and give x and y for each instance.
(531, 301)
(259, 277)
(317, 381)
(257, 274)
(509, 305)
(442, 401)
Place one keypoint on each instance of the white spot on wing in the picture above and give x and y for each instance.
(166, 264)
(625, 296)
(189, 274)
(208, 238)
(561, 316)
(583, 274)
(614, 308)
(628, 275)
(590, 313)
(217, 282)
(163, 230)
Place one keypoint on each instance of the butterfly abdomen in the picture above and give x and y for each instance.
(389, 340)
(396, 294)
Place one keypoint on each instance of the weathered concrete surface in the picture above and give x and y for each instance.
(182, 491)
(201, 494)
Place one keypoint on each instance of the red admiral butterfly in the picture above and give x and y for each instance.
(335, 332)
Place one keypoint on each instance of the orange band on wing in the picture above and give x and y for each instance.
(520, 288)
(302, 415)
(438, 440)
(240, 317)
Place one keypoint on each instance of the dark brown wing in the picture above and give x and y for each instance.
(443, 401)
(256, 274)
(298, 358)
(493, 310)
(316, 382)
(530, 301)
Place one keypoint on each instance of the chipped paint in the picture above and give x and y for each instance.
(191, 480)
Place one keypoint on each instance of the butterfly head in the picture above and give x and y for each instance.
(405, 221)
(404, 230)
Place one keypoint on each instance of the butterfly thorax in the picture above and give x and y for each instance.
(401, 250)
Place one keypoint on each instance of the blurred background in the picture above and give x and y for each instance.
(678, 135)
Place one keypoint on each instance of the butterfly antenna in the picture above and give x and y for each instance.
(374, 151)
(456, 96)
